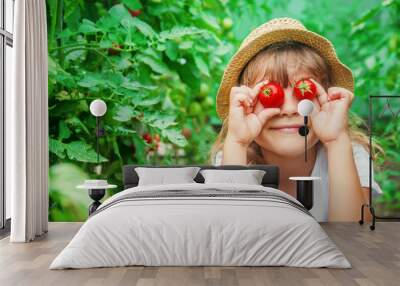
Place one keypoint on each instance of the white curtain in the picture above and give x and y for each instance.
(27, 124)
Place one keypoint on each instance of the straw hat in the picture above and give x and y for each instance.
(277, 30)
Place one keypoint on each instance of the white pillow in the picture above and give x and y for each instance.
(249, 177)
(162, 176)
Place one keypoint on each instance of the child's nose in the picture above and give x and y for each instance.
(290, 103)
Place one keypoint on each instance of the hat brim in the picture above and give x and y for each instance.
(341, 74)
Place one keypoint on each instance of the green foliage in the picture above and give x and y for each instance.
(158, 72)
(148, 70)
(67, 203)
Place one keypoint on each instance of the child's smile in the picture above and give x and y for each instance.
(287, 128)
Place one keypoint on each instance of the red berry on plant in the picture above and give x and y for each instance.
(114, 49)
(271, 95)
(147, 138)
(135, 13)
(305, 89)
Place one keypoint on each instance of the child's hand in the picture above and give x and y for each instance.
(244, 124)
(330, 119)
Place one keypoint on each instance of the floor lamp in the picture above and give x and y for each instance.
(370, 126)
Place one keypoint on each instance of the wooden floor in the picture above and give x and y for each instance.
(374, 255)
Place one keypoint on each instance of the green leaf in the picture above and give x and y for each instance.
(125, 113)
(137, 86)
(172, 51)
(123, 63)
(57, 148)
(75, 55)
(108, 23)
(156, 65)
(88, 27)
(66, 34)
(210, 20)
(63, 131)
(159, 120)
(186, 45)
(179, 32)
(162, 122)
(91, 80)
(82, 152)
(76, 122)
(200, 63)
(105, 44)
(223, 49)
(168, 104)
(132, 4)
(175, 136)
(147, 102)
(119, 12)
(57, 73)
(120, 131)
(368, 15)
(112, 79)
(142, 26)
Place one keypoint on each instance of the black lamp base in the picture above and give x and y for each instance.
(305, 193)
(96, 195)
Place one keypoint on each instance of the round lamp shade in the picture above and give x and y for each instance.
(305, 107)
(98, 107)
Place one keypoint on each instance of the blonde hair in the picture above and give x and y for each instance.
(271, 63)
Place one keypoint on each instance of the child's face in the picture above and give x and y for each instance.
(287, 142)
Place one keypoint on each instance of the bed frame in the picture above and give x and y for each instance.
(270, 179)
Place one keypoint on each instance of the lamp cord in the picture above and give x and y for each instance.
(97, 138)
(305, 137)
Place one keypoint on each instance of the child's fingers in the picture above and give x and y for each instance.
(237, 90)
(242, 101)
(238, 94)
(248, 91)
(321, 93)
(238, 99)
(256, 89)
(335, 92)
(267, 113)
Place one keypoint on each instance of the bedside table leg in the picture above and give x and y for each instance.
(96, 195)
(305, 193)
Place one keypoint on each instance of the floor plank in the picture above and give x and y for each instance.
(374, 255)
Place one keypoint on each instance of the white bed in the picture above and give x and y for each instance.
(250, 225)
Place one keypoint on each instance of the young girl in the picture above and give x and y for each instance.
(283, 51)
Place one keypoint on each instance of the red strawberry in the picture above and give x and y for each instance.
(271, 95)
(305, 89)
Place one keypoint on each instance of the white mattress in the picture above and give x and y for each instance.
(203, 231)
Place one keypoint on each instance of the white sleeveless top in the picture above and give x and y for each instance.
(321, 187)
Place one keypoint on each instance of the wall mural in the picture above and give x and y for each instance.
(158, 64)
